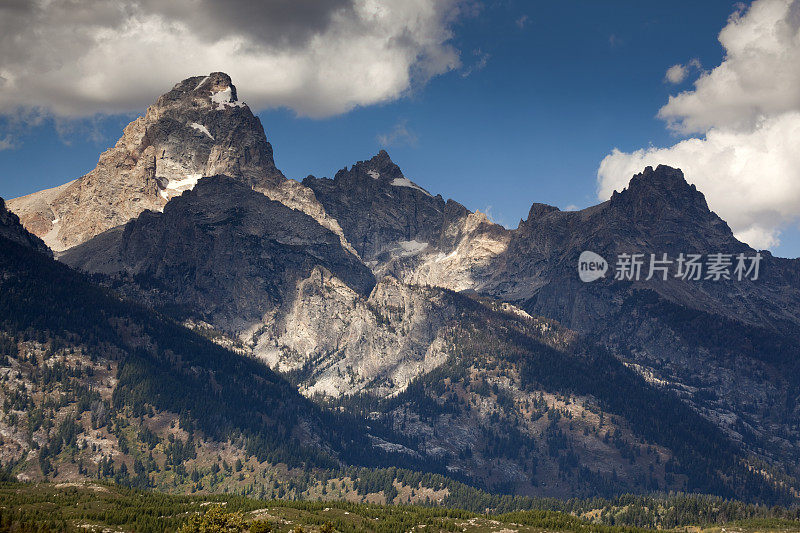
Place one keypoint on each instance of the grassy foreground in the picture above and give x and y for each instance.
(103, 507)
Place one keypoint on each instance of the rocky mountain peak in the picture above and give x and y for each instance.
(659, 212)
(379, 169)
(202, 85)
(214, 92)
(382, 163)
(11, 229)
(664, 187)
(198, 128)
(380, 210)
(660, 201)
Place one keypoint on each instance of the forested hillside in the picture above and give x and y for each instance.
(87, 376)
(81, 507)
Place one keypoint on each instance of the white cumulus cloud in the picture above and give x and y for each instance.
(75, 58)
(747, 112)
(759, 76)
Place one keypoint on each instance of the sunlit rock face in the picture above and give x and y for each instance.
(199, 128)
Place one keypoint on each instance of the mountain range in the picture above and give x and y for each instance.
(184, 306)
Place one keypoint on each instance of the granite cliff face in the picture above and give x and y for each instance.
(95, 363)
(464, 260)
(339, 343)
(480, 413)
(220, 252)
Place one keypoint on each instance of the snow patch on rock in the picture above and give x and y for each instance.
(51, 237)
(405, 182)
(186, 183)
(224, 98)
(201, 82)
(176, 187)
(202, 129)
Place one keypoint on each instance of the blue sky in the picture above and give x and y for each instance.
(544, 93)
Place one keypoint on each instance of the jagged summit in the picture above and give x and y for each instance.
(665, 185)
(213, 83)
(661, 200)
(382, 155)
(382, 165)
(658, 210)
(650, 194)
(198, 128)
(664, 175)
(656, 201)
(215, 91)
(374, 174)
(380, 210)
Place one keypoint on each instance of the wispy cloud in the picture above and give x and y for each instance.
(495, 217)
(481, 59)
(88, 128)
(522, 22)
(15, 125)
(7, 143)
(400, 135)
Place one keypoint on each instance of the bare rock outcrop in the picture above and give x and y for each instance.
(341, 342)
